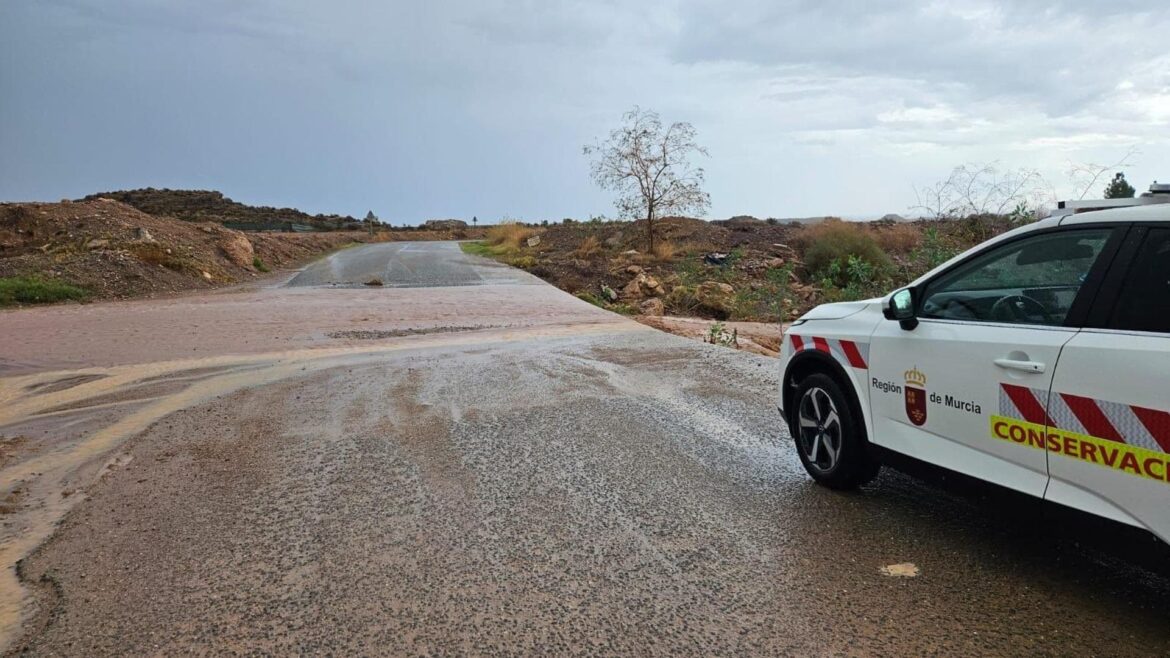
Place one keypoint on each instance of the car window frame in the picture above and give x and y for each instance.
(1086, 296)
(1108, 296)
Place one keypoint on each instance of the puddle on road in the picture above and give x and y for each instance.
(46, 484)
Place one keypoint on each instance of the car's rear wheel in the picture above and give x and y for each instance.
(829, 439)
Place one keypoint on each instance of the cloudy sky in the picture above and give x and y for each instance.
(480, 107)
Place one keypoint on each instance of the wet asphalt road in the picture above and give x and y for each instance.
(545, 493)
(409, 265)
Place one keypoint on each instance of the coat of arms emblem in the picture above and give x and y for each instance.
(916, 396)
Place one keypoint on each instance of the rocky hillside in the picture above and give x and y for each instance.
(742, 269)
(112, 251)
(211, 206)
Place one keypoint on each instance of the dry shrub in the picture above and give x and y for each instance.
(508, 235)
(833, 240)
(899, 239)
(664, 251)
(588, 248)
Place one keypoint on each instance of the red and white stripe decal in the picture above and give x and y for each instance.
(851, 353)
(1103, 419)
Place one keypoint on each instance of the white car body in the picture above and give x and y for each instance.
(1076, 413)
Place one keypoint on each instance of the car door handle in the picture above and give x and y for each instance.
(1025, 366)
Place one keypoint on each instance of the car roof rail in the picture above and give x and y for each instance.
(1158, 193)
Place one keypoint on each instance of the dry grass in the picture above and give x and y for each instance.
(836, 240)
(509, 236)
(899, 239)
(664, 251)
(588, 248)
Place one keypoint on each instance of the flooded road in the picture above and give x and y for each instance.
(466, 460)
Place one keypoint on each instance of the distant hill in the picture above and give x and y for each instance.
(212, 206)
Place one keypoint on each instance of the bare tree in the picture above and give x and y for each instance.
(1084, 175)
(981, 189)
(649, 168)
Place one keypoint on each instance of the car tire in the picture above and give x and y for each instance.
(828, 435)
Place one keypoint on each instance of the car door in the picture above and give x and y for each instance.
(988, 335)
(1110, 400)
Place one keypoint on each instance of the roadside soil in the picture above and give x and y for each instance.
(115, 251)
(761, 338)
(741, 269)
(747, 274)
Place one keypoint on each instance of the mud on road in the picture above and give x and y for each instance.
(566, 482)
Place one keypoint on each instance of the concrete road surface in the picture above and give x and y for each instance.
(484, 467)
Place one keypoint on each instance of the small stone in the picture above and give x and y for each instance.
(902, 570)
(652, 306)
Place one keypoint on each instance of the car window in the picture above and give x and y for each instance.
(1143, 304)
(1029, 281)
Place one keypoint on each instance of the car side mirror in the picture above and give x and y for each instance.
(901, 308)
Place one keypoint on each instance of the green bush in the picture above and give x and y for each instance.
(852, 278)
(836, 242)
(33, 290)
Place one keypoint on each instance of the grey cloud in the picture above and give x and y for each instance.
(462, 107)
(1058, 55)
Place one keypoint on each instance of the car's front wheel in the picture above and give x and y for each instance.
(829, 437)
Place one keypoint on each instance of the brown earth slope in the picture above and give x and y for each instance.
(212, 206)
(741, 269)
(115, 251)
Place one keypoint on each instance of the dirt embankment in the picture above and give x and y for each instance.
(722, 277)
(743, 270)
(114, 251)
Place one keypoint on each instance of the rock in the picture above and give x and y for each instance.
(206, 275)
(804, 292)
(903, 570)
(633, 290)
(642, 285)
(97, 244)
(709, 299)
(634, 269)
(534, 241)
(652, 306)
(631, 252)
(145, 236)
(614, 240)
(238, 249)
(715, 299)
(775, 262)
(609, 293)
(716, 258)
(716, 286)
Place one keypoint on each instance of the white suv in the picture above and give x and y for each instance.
(1039, 361)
